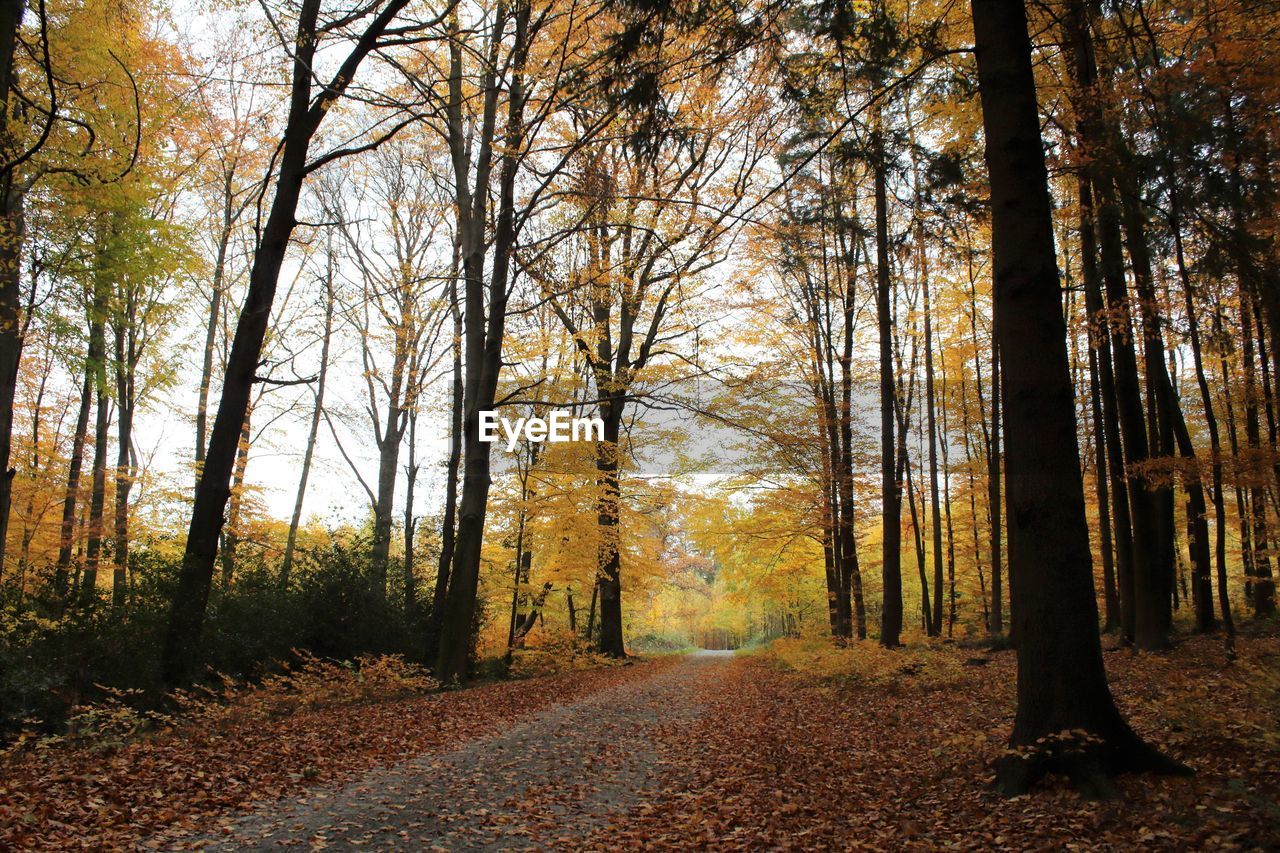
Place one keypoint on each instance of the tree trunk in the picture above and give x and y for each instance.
(1205, 620)
(231, 534)
(98, 482)
(608, 562)
(125, 365)
(996, 626)
(286, 564)
(1149, 585)
(448, 522)
(890, 486)
(1264, 602)
(12, 234)
(66, 533)
(215, 312)
(186, 618)
(935, 626)
(484, 338)
(1062, 685)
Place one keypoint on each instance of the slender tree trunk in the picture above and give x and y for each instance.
(231, 534)
(215, 313)
(98, 481)
(124, 467)
(890, 486)
(449, 518)
(410, 577)
(926, 608)
(12, 234)
(935, 626)
(1263, 586)
(66, 532)
(946, 495)
(1062, 685)
(1205, 620)
(286, 564)
(996, 626)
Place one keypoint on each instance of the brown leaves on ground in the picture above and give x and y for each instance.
(72, 796)
(808, 746)
(805, 746)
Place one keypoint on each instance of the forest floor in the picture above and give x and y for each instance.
(801, 746)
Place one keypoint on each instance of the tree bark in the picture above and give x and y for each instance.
(186, 618)
(890, 486)
(1062, 685)
(483, 335)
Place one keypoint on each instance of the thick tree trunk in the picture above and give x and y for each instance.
(12, 234)
(608, 561)
(1062, 685)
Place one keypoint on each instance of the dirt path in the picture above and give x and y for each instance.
(553, 780)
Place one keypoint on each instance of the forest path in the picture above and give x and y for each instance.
(552, 780)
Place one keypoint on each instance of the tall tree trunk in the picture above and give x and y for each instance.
(1109, 419)
(215, 313)
(186, 618)
(484, 339)
(1062, 685)
(1264, 601)
(231, 534)
(935, 626)
(448, 521)
(994, 452)
(1149, 587)
(66, 532)
(12, 234)
(286, 564)
(98, 482)
(608, 562)
(125, 364)
(946, 495)
(410, 522)
(1204, 620)
(890, 486)
(850, 572)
